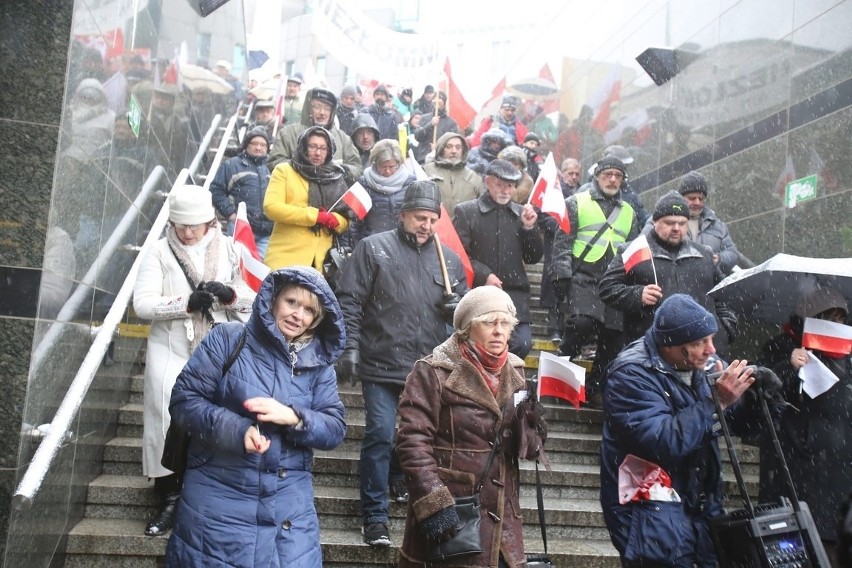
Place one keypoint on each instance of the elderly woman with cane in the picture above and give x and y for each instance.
(465, 421)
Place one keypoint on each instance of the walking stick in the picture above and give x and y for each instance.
(443, 264)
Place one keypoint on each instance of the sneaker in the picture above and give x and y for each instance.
(376, 534)
(398, 491)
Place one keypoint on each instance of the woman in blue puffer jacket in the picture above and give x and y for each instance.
(247, 497)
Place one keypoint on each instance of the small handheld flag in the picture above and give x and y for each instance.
(560, 378)
(252, 269)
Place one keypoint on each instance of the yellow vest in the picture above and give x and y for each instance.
(590, 218)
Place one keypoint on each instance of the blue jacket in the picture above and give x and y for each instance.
(251, 510)
(243, 179)
(650, 413)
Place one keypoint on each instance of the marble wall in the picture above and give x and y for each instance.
(72, 167)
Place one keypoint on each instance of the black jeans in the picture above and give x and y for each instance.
(581, 330)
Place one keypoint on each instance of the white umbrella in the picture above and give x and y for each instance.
(770, 291)
(195, 77)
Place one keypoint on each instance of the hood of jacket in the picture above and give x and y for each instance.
(306, 113)
(365, 120)
(442, 141)
(330, 333)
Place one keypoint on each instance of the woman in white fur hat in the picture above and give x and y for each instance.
(188, 280)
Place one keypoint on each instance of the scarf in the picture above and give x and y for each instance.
(488, 365)
(201, 325)
(325, 183)
(387, 185)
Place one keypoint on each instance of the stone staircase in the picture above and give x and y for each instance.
(120, 500)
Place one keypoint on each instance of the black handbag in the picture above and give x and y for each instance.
(177, 439)
(468, 537)
(335, 259)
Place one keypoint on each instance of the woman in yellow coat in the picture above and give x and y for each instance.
(300, 194)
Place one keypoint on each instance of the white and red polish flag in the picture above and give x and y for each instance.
(251, 267)
(638, 251)
(827, 336)
(547, 194)
(560, 378)
(358, 200)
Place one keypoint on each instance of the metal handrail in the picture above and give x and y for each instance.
(47, 451)
(220, 151)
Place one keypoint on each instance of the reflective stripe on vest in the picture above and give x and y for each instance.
(590, 218)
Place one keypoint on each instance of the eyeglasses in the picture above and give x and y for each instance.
(315, 148)
(192, 228)
(387, 169)
(615, 175)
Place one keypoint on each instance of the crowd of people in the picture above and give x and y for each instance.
(437, 352)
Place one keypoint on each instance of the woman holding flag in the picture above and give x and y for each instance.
(466, 398)
(815, 432)
(189, 280)
(299, 200)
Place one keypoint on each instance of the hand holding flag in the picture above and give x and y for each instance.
(358, 200)
(252, 269)
(547, 194)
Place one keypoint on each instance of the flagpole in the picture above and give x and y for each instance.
(443, 264)
(654, 269)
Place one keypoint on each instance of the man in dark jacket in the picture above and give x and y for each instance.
(658, 407)
(395, 305)
(243, 179)
(600, 220)
(679, 266)
(364, 137)
(383, 113)
(433, 125)
(500, 236)
(346, 110)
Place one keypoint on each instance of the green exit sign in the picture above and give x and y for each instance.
(799, 190)
(134, 115)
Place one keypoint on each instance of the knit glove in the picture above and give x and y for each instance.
(327, 220)
(200, 300)
(441, 526)
(225, 294)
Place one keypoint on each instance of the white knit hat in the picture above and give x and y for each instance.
(480, 301)
(191, 205)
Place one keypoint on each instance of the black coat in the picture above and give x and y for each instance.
(497, 243)
(688, 270)
(391, 293)
(816, 439)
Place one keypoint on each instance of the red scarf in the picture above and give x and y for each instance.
(488, 365)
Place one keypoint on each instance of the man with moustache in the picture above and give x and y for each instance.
(449, 170)
(600, 220)
(384, 115)
(500, 236)
(396, 311)
(680, 266)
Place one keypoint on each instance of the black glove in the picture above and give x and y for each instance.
(766, 384)
(441, 526)
(729, 322)
(200, 300)
(563, 288)
(449, 304)
(225, 294)
(347, 365)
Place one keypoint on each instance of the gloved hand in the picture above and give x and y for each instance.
(225, 294)
(441, 526)
(327, 220)
(766, 384)
(563, 288)
(347, 365)
(449, 304)
(199, 300)
(729, 322)
(531, 430)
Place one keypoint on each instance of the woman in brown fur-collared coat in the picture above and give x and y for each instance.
(454, 404)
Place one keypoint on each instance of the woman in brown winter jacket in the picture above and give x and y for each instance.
(456, 403)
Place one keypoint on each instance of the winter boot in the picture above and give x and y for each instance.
(163, 522)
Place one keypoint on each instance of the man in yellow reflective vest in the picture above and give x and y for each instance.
(600, 221)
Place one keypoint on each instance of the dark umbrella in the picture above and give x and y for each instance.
(770, 291)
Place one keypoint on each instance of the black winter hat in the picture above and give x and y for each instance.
(672, 203)
(256, 132)
(422, 194)
(510, 101)
(532, 136)
(680, 320)
(429, 89)
(610, 163)
(504, 170)
(693, 182)
(324, 95)
(381, 89)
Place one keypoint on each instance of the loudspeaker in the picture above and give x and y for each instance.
(662, 64)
